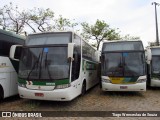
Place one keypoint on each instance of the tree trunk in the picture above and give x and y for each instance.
(98, 43)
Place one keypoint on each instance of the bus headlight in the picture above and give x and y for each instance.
(141, 80)
(106, 80)
(22, 85)
(62, 86)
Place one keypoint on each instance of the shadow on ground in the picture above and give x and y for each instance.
(122, 93)
(153, 88)
(58, 105)
(10, 99)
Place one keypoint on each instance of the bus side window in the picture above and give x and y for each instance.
(18, 52)
(75, 65)
(5, 48)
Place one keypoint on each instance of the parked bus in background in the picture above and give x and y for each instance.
(123, 66)
(8, 67)
(56, 66)
(153, 66)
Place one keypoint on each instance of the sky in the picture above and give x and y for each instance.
(134, 17)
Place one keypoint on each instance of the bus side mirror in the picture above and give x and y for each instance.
(97, 55)
(70, 51)
(148, 56)
(15, 52)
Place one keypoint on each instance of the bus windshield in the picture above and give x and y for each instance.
(156, 64)
(41, 63)
(123, 64)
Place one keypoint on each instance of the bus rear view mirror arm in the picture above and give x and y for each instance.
(149, 55)
(70, 59)
(70, 50)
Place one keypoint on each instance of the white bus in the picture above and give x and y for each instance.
(8, 68)
(153, 66)
(56, 66)
(123, 66)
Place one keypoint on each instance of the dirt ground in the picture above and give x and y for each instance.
(93, 100)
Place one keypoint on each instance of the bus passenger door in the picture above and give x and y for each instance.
(76, 71)
(13, 83)
(90, 73)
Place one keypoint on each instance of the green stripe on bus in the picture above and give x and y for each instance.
(45, 83)
(22, 81)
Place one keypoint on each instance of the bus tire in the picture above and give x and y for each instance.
(83, 91)
(1, 93)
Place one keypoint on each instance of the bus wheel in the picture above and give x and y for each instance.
(83, 88)
(1, 93)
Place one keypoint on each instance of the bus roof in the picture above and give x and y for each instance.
(9, 33)
(122, 45)
(112, 41)
(50, 32)
(62, 32)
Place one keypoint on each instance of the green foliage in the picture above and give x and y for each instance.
(41, 18)
(99, 31)
(37, 19)
(128, 37)
(12, 19)
(152, 44)
(64, 24)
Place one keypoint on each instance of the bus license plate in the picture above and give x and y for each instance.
(123, 87)
(39, 94)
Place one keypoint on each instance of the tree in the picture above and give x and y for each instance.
(42, 19)
(128, 37)
(37, 19)
(62, 23)
(99, 31)
(12, 19)
(2, 19)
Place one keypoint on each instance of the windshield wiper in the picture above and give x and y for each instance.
(36, 63)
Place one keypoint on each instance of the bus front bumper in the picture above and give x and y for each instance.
(54, 95)
(123, 87)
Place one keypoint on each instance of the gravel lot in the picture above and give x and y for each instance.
(93, 100)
